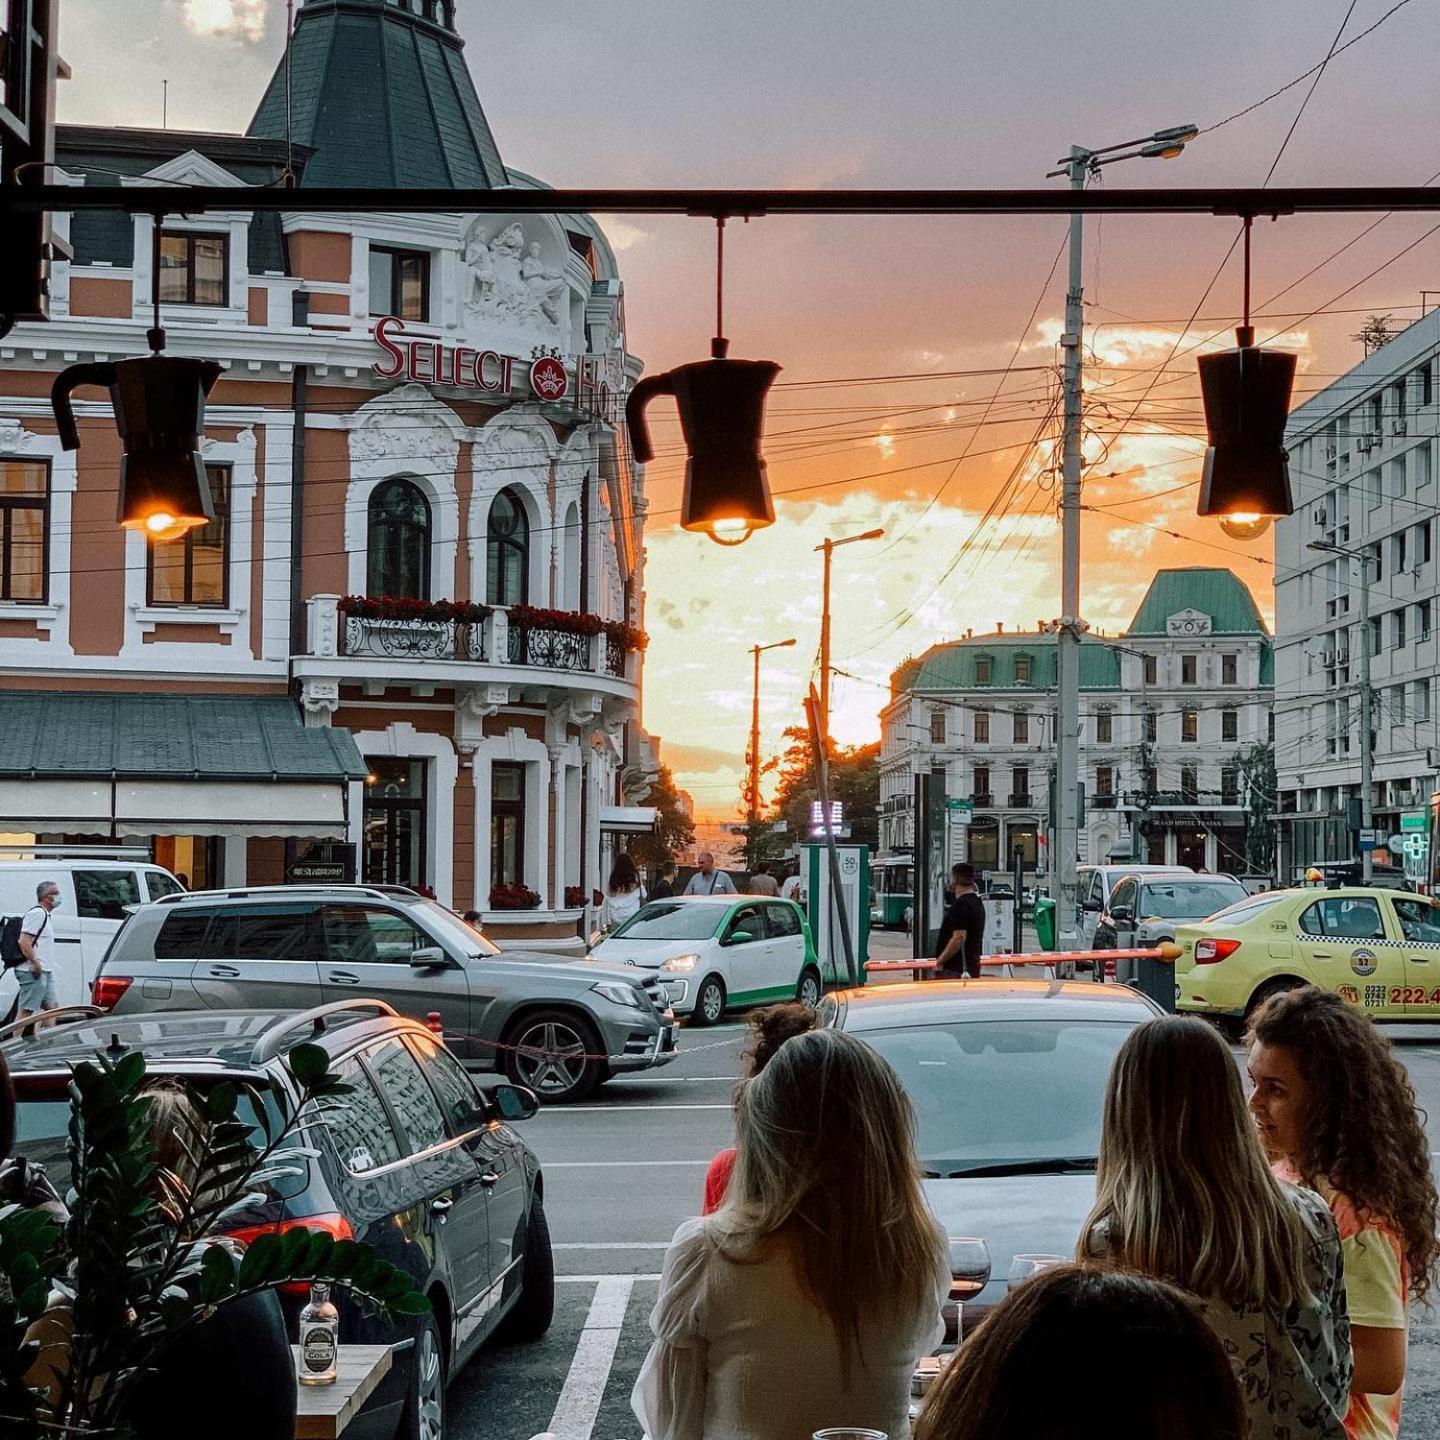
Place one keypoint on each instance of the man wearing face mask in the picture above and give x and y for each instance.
(36, 972)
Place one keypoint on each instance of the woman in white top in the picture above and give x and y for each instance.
(1184, 1194)
(624, 894)
(806, 1299)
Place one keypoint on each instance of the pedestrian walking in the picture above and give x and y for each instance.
(1336, 1111)
(624, 894)
(1184, 1194)
(962, 930)
(1177, 1382)
(35, 974)
(762, 882)
(790, 888)
(806, 1299)
(707, 880)
(664, 886)
(770, 1027)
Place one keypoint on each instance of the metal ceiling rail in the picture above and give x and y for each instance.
(729, 204)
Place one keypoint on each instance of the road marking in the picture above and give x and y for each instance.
(615, 1164)
(584, 1388)
(639, 1081)
(560, 1112)
(593, 1279)
(612, 1245)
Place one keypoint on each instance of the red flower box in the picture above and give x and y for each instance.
(401, 607)
(513, 897)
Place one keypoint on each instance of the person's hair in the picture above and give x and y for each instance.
(1183, 1190)
(177, 1131)
(667, 868)
(472, 917)
(703, 856)
(1361, 1129)
(769, 1028)
(825, 1168)
(44, 888)
(763, 868)
(963, 873)
(1178, 1381)
(623, 875)
(7, 1111)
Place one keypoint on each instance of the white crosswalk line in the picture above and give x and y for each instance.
(584, 1387)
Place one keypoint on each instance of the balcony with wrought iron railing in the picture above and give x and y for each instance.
(362, 637)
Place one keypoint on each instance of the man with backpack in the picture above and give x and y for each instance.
(35, 973)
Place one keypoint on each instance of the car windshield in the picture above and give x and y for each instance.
(672, 920)
(1186, 899)
(1043, 1083)
(449, 927)
(42, 1119)
(1244, 911)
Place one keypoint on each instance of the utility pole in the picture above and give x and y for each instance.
(827, 548)
(752, 809)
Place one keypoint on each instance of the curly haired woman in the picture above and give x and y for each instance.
(1335, 1110)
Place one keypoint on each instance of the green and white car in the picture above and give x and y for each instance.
(712, 952)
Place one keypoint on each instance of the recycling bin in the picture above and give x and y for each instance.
(1045, 927)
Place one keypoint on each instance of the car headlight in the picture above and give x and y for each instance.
(678, 963)
(619, 993)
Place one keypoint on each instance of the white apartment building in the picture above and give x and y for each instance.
(1362, 466)
(1167, 708)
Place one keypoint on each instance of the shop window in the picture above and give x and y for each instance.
(24, 531)
(399, 283)
(507, 823)
(195, 570)
(1104, 727)
(1187, 669)
(194, 269)
(399, 561)
(394, 821)
(1229, 669)
(1229, 725)
(507, 551)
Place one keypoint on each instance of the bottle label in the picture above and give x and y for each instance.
(317, 1348)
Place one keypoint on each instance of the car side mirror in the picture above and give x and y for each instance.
(1123, 915)
(513, 1102)
(1093, 906)
(739, 937)
(431, 957)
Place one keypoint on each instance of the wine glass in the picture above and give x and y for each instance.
(1022, 1267)
(969, 1266)
(849, 1432)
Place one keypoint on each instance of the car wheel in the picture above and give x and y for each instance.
(1269, 988)
(424, 1417)
(555, 1054)
(709, 1001)
(811, 988)
(531, 1314)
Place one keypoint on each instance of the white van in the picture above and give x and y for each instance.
(1095, 883)
(95, 890)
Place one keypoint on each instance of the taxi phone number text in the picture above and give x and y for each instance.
(1377, 995)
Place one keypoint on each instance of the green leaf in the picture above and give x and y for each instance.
(309, 1064)
(217, 1274)
(220, 1102)
(130, 1070)
(261, 1261)
(31, 1302)
(411, 1303)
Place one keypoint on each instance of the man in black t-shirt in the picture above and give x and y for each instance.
(962, 931)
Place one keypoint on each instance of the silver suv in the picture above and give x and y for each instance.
(557, 1028)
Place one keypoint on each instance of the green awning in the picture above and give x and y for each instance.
(172, 764)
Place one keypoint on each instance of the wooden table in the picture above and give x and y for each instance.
(325, 1410)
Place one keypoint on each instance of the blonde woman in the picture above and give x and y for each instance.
(806, 1299)
(1184, 1194)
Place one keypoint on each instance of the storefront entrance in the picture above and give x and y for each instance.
(395, 822)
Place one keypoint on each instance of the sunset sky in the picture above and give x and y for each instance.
(755, 92)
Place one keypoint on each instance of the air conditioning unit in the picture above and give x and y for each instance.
(1327, 658)
(1330, 452)
(1319, 516)
(1397, 425)
(1364, 444)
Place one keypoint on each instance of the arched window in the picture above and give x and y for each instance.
(399, 541)
(507, 552)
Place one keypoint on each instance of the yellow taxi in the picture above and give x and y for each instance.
(1378, 948)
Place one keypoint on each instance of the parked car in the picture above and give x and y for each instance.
(1007, 1078)
(1146, 909)
(712, 952)
(95, 896)
(1377, 947)
(559, 1028)
(1094, 885)
(420, 1164)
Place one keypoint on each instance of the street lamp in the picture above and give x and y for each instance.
(1367, 811)
(827, 547)
(757, 651)
(1082, 162)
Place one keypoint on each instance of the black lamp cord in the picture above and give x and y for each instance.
(155, 336)
(1245, 334)
(719, 346)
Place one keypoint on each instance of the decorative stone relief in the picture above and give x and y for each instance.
(508, 282)
(320, 699)
(14, 437)
(480, 701)
(423, 441)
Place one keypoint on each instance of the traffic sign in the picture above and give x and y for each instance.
(1415, 820)
(959, 812)
(1370, 839)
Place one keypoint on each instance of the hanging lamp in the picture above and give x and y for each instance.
(722, 416)
(159, 403)
(1246, 395)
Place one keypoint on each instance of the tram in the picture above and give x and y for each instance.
(892, 891)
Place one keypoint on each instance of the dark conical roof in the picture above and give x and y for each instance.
(381, 92)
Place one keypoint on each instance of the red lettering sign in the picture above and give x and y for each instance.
(431, 362)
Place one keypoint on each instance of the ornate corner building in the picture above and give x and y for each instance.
(427, 536)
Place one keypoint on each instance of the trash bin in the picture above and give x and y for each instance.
(1156, 979)
(1045, 922)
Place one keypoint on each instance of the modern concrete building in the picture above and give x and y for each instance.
(1167, 708)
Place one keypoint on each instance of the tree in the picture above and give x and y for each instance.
(1376, 331)
(674, 827)
(854, 782)
(1257, 771)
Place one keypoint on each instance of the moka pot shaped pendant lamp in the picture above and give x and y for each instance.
(722, 417)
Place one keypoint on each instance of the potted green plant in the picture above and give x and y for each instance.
(127, 1275)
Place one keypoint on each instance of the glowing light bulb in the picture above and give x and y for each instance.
(1244, 526)
(162, 525)
(730, 532)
